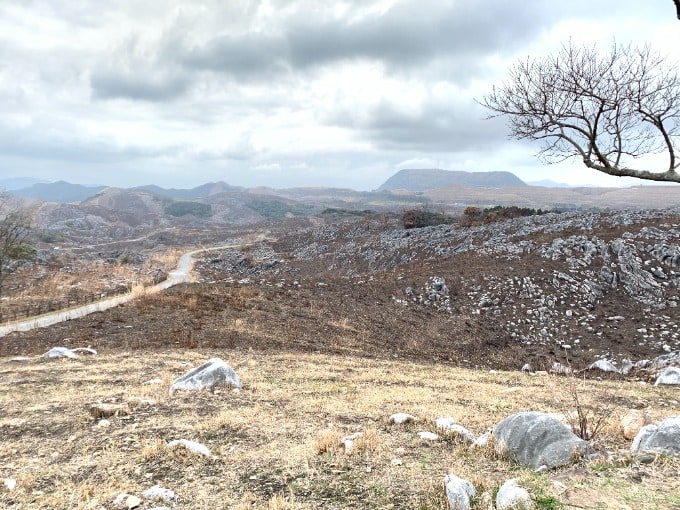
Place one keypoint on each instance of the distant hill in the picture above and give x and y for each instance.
(426, 179)
(60, 191)
(13, 183)
(202, 191)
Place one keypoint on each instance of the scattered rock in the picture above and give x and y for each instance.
(191, 446)
(128, 501)
(559, 368)
(458, 492)
(513, 497)
(537, 439)
(158, 492)
(658, 439)
(482, 441)
(670, 377)
(527, 368)
(348, 441)
(157, 380)
(632, 422)
(20, 359)
(428, 436)
(400, 418)
(10, 484)
(213, 372)
(450, 426)
(60, 352)
(102, 424)
(603, 364)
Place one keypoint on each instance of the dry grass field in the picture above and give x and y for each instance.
(276, 442)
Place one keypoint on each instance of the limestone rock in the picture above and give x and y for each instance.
(458, 492)
(10, 484)
(428, 436)
(213, 372)
(670, 377)
(60, 352)
(632, 422)
(450, 426)
(513, 497)
(84, 350)
(126, 501)
(537, 439)
(158, 492)
(603, 364)
(400, 418)
(658, 439)
(191, 446)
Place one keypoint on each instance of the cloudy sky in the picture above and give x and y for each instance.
(282, 92)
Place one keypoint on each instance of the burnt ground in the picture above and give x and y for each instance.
(526, 290)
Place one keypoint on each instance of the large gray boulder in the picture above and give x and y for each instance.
(670, 377)
(663, 438)
(537, 439)
(213, 372)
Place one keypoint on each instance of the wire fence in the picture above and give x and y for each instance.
(37, 308)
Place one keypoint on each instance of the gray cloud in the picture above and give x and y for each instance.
(145, 86)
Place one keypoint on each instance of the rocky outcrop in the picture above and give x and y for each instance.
(213, 372)
(537, 439)
(663, 438)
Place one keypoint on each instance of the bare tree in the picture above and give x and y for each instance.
(606, 109)
(15, 223)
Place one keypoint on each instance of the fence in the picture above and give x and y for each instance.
(42, 307)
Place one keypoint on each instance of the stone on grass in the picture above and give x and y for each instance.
(670, 377)
(559, 368)
(604, 365)
(126, 501)
(513, 497)
(482, 441)
(213, 372)
(537, 439)
(428, 436)
(190, 446)
(348, 441)
(10, 484)
(60, 352)
(450, 426)
(527, 367)
(399, 418)
(20, 359)
(458, 492)
(158, 492)
(661, 439)
(633, 422)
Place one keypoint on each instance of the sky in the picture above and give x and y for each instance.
(284, 93)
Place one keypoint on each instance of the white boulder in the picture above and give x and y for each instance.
(213, 372)
(663, 438)
(537, 439)
(191, 446)
(670, 377)
(60, 352)
(513, 497)
(458, 492)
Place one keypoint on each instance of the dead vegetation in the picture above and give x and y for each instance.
(278, 442)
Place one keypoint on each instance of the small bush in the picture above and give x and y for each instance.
(417, 218)
(185, 208)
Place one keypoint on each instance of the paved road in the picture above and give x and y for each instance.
(182, 274)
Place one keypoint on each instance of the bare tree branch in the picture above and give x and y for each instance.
(606, 109)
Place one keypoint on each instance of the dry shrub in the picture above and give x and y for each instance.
(368, 442)
(328, 441)
(279, 502)
(153, 450)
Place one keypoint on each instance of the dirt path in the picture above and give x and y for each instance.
(182, 274)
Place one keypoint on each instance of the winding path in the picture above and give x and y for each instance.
(181, 274)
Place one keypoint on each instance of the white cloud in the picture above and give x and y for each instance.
(340, 93)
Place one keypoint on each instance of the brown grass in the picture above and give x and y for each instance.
(277, 442)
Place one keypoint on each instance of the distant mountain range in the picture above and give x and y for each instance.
(426, 179)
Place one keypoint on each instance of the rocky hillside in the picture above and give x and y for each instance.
(421, 180)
